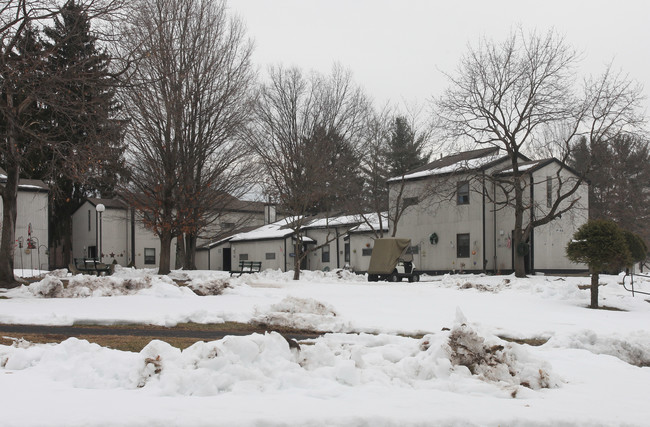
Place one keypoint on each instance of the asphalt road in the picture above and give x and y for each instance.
(75, 331)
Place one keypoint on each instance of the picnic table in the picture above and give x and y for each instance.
(90, 266)
(247, 267)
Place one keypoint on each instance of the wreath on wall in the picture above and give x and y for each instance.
(433, 238)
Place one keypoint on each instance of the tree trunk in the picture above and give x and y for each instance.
(165, 252)
(518, 234)
(180, 252)
(519, 260)
(7, 244)
(594, 289)
(67, 240)
(189, 262)
(297, 251)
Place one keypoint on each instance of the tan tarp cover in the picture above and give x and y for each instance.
(385, 254)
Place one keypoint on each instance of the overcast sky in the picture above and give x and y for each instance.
(397, 50)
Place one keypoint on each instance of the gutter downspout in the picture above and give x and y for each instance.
(133, 236)
(285, 254)
(532, 230)
(494, 218)
(484, 260)
(338, 257)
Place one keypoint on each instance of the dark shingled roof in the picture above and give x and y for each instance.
(456, 158)
(108, 203)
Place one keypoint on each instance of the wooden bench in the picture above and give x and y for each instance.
(248, 267)
(90, 266)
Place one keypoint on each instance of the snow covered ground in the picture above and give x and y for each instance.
(593, 370)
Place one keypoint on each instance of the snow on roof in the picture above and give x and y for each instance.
(32, 187)
(276, 230)
(281, 229)
(464, 161)
(524, 167)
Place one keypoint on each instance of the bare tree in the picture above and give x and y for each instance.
(512, 95)
(298, 123)
(30, 85)
(189, 100)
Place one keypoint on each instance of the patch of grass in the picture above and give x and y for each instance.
(4, 298)
(536, 342)
(236, 327)
(117, 342)
(137, 343)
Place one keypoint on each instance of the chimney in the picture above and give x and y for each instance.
(269, 213)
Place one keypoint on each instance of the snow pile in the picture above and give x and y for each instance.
(82, 286)
(338, 275)
(496, 361)
(49, 287)
(209, 287)
(546, 287)
(633, 348)
(301, 313)
(262, 363)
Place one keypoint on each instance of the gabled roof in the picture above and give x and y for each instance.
(277, 230)
(534, 165)
(26, 184)
(282, 229)
(226, 237)
(108, 203)
(464, 161)
(355, 222)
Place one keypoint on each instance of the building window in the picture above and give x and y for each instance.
(410, 201)
(347, 252)
(325, 253)
(243, 257)
(463, 193)
(462, 245)
(270, 255)
(149, 256)
(366, 251)
(549, 191)
(88, 219)
(227, 225)
(413, 250)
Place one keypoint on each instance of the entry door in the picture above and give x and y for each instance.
(227, 266)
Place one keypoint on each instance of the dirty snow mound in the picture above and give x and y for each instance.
(494, 360)
(209, 287)
(301, 313)
(49, 287)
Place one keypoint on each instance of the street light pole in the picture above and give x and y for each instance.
(100, 209)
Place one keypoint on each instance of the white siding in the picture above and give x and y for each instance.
(489, 226)
(32, 208)
(440, 214)
(256, 250)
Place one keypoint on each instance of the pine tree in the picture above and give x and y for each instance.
(406, 150)
(86, 160)
(619, 180)
(602, 245)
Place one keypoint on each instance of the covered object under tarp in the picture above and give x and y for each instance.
(385, 254)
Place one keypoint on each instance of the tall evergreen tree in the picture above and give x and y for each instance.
(87, 146)
(406, 150)
(619, 180)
